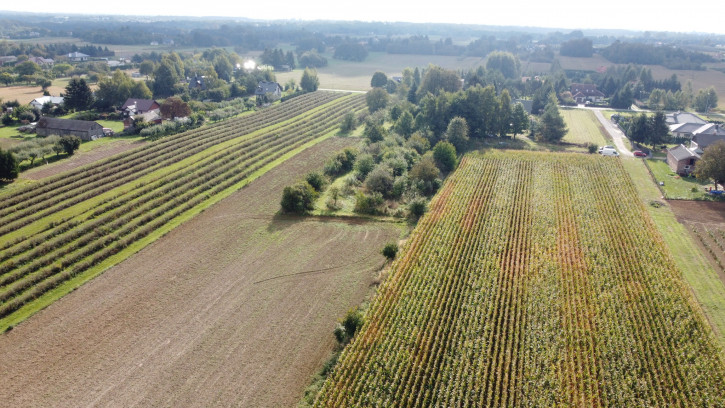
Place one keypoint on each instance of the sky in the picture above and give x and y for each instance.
(640, 15)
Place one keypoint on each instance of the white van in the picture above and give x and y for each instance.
(609, 152)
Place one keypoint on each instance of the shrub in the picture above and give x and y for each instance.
(444, 154)
(591, 148)
(352, 322)
(380, 180)
(299, 198)
(417, 207)
(364, 165)
(316, 180)
(390, 251)
(368, 204)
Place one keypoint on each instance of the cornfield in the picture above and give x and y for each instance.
(536, 279)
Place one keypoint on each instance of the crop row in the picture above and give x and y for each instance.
(97, 178)
(534, 280)
(130, 216)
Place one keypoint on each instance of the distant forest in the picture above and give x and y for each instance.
(353, 40)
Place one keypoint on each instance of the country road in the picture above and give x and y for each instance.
(620, 140)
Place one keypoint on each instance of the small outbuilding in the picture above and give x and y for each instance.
(268, 91)
(682, 160)
(84, 129)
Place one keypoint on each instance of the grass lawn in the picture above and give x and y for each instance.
(676, 187)
(706, 286)
(584, 128)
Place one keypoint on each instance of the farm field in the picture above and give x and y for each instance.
(583, 128)
(235, 307)
(706, 222)
(536, 279)
(65, 229)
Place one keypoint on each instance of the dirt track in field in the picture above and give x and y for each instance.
(699, 211)
(81, 159)
(234, 308)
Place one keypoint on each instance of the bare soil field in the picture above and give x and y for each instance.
(705, 220)
(233, 308)
(81, 159)
(25, 94)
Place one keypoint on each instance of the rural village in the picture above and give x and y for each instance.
(212, 212)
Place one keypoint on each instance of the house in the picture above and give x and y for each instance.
(39, 102)
(583, 93)
(684, 130)
(197, 82)
(682, 159)
(84, 129)
(139, 106)
(706, 135)
(147, 109)
(43, 62)
(267, 91)
(78, 56)
(8, 59)
(683, 117)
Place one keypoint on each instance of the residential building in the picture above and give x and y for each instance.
(84, 129)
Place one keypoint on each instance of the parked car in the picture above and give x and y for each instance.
(639, 153)
(609, 152)
(604, 147)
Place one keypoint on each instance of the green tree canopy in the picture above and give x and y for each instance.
(78, 94)
(376, 99)
(444, 154)
(8, 166)
(552, 127)
(457, 133)
(115, 90)
(379, 80)
(299, 198)
(309, 81)
(520, 119)
(165, 79)
(711, 165)
(706, 100)
(437, 80)
(504, 62)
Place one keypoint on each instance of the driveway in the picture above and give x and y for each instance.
(620, 140)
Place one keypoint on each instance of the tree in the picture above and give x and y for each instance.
(376, 99)
(78, 94)
(705, 100)
(711, 165)
(27, 68)
(374, 132)
(504, 113)
(552, 127)
(437, 80)
(639, 129)
(379, 80)
(380, 180)
(424, 175)
(70, 144)
(115, 90)
(444, 154)
(309, 81)
(504, 62)
(390, 250)
(519, 119)
(658, 129)
(146, 68)
(457, 133)
(404, 125)
(299, 198)
(6, 78)
(165, 79)
(174, 107)
(8, 166)
(348, 123)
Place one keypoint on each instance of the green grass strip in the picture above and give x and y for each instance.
(707, 287)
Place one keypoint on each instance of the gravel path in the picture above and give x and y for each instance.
(620, 140)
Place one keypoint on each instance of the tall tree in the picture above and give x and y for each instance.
(165, 79)
(639, 128)
(705, 100)
(504, 113)
(711, 165)
(174, 107)
(519, 119)
(78, 94)
(404, 126)
(437, 80)
(658, 129)
(553, 127)
(504, 62)
(309, 81)
(8, 166)
(457, 133)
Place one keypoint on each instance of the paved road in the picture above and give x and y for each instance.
(620, 140)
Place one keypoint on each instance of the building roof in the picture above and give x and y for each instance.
(682, 153)
(55, 100)
(41, 60)
(66, 124)
(712, 129)
(683, 117)
(703, 140)
(141, 105)
(265, 87)
(586, 90)
(684, 127)
(78, 55)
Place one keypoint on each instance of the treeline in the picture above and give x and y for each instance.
(647, 54)
(52, 50)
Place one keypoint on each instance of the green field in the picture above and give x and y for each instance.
(584, 128)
